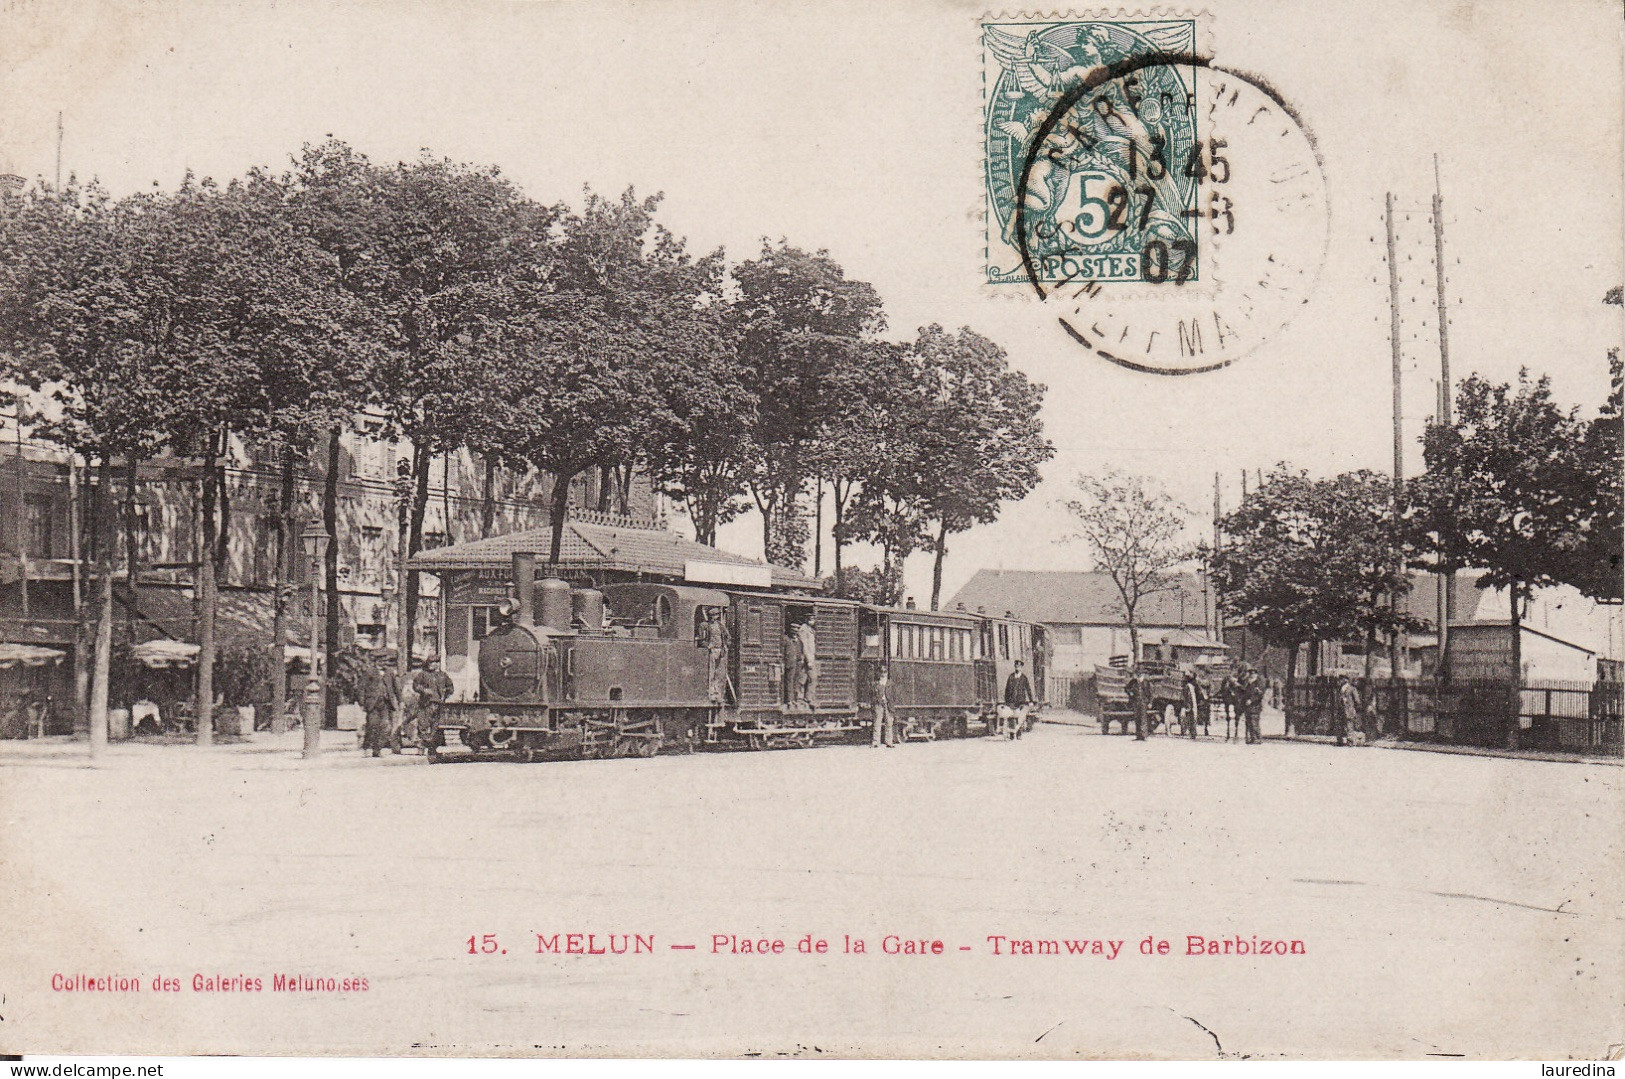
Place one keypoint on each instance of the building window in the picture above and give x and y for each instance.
(431, 540)
(38, 523)
(267, 534)
(1004, 641)
(484, 620)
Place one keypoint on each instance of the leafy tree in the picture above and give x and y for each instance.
(77, 322)
(1133, 530)
(1595, 567)
(700, 455)
(980, 439)
(442, 254)
(314, 354)
(625, 356)
(804, 325)
(1507, 489)
(866, 444)
(881, 586)
(1306, 560)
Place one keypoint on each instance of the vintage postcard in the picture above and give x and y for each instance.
(800, 530)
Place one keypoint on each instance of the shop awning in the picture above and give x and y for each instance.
(28, 655)
(165, 653)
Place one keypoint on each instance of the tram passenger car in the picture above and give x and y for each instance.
(633, 670)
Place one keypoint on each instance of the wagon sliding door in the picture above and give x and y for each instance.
(760, 674)
(836, 633)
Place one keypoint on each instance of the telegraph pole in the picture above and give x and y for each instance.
(1218, 618)
(1399, 443)
(1445, 609)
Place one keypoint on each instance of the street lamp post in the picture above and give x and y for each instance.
(314, 539)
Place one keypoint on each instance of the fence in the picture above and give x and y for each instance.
(1567, 717)
(1075, 692)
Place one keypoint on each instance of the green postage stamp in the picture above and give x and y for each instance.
(1094, 154)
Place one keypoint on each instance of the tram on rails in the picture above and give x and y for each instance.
(639, 669)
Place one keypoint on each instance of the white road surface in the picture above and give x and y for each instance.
(1445, 904)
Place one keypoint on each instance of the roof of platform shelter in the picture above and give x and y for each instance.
(586, 546)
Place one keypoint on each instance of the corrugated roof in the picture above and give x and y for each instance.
(1058, 597)
(594, 546)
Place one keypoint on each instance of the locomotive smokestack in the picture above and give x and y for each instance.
(524, 587)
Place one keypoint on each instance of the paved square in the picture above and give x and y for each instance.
(1446, 904)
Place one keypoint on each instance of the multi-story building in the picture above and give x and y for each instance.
(45, 576)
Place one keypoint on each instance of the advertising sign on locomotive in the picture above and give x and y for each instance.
(640, 669)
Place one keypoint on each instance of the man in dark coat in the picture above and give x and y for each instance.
(430, 688)
(1250, 702)
(1193, 699)
(1018, 694)
(380, 700)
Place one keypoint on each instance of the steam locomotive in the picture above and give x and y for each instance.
(638, 669)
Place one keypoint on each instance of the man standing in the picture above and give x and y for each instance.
(1192, 702)
(1348, 709)
(885, 727)
(379, 698)
(714, 639)
(809, 663)
(1251, 703)
(1136, 703)
(1018, 694)
(430, 688)
(1229, 688)
(794, 660)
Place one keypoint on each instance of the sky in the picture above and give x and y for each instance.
(856, 128)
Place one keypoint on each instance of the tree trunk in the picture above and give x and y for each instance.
(623, 489)
(606, 488)
(277, 691)
(445, 498)
(818, 529)
(837, 539)
(703, 508)
(767, 507)
(132, 560)
(421, 459)
(488, 505)
(208, 551)
(1516, 689)
(941, 546)
(103, 662)
(1133, 640)
(330, 521)
(403, 614)
(1291, 680)
(80, 550)
(559, 502)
